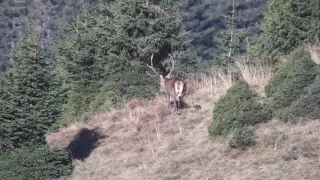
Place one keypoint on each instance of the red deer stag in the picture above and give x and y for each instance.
(174, 87)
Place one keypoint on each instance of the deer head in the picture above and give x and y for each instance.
(161, 77)
(171, 59)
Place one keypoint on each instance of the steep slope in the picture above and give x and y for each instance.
(146, 141)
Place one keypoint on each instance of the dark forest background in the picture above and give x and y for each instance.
(204, 20)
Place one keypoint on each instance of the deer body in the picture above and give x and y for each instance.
(174, 87)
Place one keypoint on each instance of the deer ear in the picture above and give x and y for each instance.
(161, 77)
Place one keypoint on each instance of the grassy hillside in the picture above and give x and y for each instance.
(78, 82)
(145, 140)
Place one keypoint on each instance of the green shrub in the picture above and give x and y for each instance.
(134, 84)
(287, 89)
(307, 107)
(238, 108)
(38, 162)
(242, 138)
(278, 78)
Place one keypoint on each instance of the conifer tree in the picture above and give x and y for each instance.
(231, 40)
(104, 58)
(31, 96)
(287, 25)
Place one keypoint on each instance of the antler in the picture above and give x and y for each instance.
(171, 58)
(152, 68)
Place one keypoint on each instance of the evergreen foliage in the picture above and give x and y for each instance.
(203, 19)
(4, 28)
(31, 99)
(287, 25)
(231, 40)
(237, 109)
(82, 72)
(31, 96)
(104, 58)
(278, 78)
(130, 84)
(307, 107)
(36, 162)
(289, 85)
(242, 138)
(46, 17)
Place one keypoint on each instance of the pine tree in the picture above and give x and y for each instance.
(5, 21)
(31, 96)
(104, 59)
(231, 40)
(135, 29)
(287, 25)
(82, 70)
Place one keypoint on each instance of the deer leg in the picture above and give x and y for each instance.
(170, 101)
(178, 105)
(175, 106)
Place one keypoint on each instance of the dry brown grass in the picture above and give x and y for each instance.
(63, 138)
(145, 140)
(256, 75)
(215, 83)
(314, 50)
(192, 87)
(134, 103)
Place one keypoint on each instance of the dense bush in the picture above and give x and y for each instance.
(242, 138)
(134, 84)
(38, 162)
(278, 78)
(238, 108)
(288, 85)
(306, 107)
